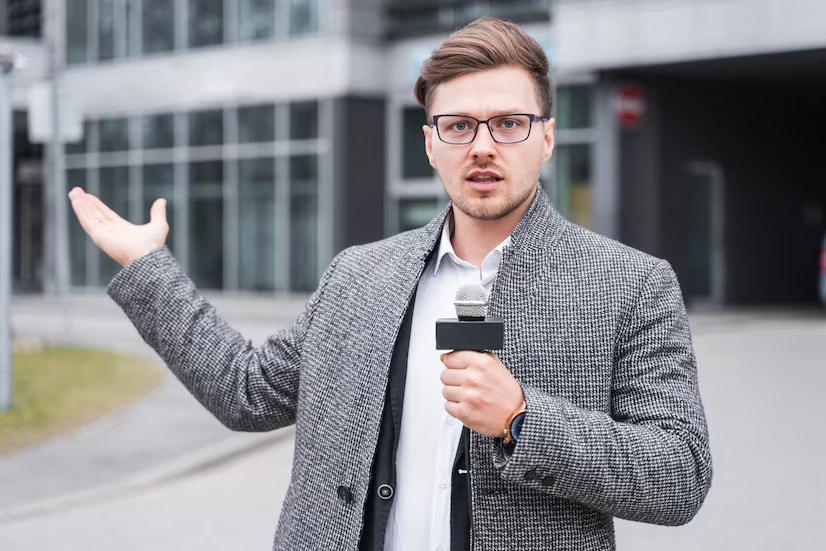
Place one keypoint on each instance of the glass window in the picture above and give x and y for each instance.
(113, 134)
(256, 19)
(158, 26)
(106, 29)
(304, 120)
(256, 123)
(256, 245)
(573, 182)
(303, 17)
(76, 177)
(206, 224)
(206, 23)
(415, 213)
(206, 127)
(158, 131)
(414, 158)
(84, 144)
(114, 192)
(573, 107)
(77, 31)
(24, 18)
(303, 223)
(159, 183)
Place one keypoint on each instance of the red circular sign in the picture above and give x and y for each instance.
(630, 106)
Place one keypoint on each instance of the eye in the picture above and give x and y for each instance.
(509, 124)
(460, 126)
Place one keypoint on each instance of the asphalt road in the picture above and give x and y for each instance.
(762, 384)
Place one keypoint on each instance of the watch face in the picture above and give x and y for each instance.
(516, 426)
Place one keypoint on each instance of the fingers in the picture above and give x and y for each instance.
(107, 213)
(452, 393)
(461, 359)
(158, 211)
(454, 409)
(453, 377)
(87, 212)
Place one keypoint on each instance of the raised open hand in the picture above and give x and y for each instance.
(123, 241)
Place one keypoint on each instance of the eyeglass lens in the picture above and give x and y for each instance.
(505, 128)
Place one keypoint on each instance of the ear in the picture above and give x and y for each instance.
(549, 139)
(428, 144)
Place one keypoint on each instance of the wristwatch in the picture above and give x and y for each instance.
(514, 426)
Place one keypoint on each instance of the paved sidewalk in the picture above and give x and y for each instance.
(167, 433)
(761, 383)
(170, 432)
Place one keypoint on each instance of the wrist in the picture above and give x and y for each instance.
(513, 425)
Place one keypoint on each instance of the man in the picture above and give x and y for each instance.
(590, 410)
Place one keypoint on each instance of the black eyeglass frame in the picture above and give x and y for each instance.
(479, 123)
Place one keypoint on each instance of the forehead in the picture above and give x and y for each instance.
(486, 93)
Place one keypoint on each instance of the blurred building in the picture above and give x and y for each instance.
(710, 117)
(282, 131)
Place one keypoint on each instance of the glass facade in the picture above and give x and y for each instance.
(242, 217)
(206, 23)
(256, 20)
(104, 30)
(415, 213)
(24, 18)
(256, 232)
(157, 27)
(421, 17)
(572, 159)
(414, 158)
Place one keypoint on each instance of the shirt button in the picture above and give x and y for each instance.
(451, 420)
(443, 484)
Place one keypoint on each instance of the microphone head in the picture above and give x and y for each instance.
(471, 302)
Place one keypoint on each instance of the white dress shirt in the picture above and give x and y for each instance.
(420, 515)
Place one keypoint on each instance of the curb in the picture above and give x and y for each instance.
(196, 462)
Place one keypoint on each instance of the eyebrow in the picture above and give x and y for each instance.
(496, 113)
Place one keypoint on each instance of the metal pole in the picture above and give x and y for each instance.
(61, 202)
(7, 63)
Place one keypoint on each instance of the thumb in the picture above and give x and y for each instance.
(157, 214)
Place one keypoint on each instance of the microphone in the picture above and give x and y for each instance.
(472, 329)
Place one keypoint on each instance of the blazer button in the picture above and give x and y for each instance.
(385, 491)
(531, 475)
(548, 481)
(345, 494)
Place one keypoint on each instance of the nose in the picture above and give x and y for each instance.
(483, 145)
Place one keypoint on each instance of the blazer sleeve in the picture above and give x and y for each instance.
(246, 388)
(649, 460)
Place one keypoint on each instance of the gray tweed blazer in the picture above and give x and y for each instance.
(596, 333)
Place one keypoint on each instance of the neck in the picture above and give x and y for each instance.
(474, 239)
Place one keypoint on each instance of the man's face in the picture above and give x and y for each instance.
(487, 180)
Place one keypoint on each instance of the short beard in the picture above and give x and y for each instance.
(489, 212)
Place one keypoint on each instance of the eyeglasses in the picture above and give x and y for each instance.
(504, 129)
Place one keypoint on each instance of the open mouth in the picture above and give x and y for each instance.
(484, 179)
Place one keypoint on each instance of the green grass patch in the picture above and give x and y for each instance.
(57, 390)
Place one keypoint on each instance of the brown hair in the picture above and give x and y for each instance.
(486, 43)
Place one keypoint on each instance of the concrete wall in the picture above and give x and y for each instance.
(307, 68)
(602, 34)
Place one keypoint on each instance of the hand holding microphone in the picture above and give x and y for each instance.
(479, 389)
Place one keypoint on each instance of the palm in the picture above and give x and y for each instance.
(123, 241)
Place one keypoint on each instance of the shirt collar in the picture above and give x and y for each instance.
(446, 247)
